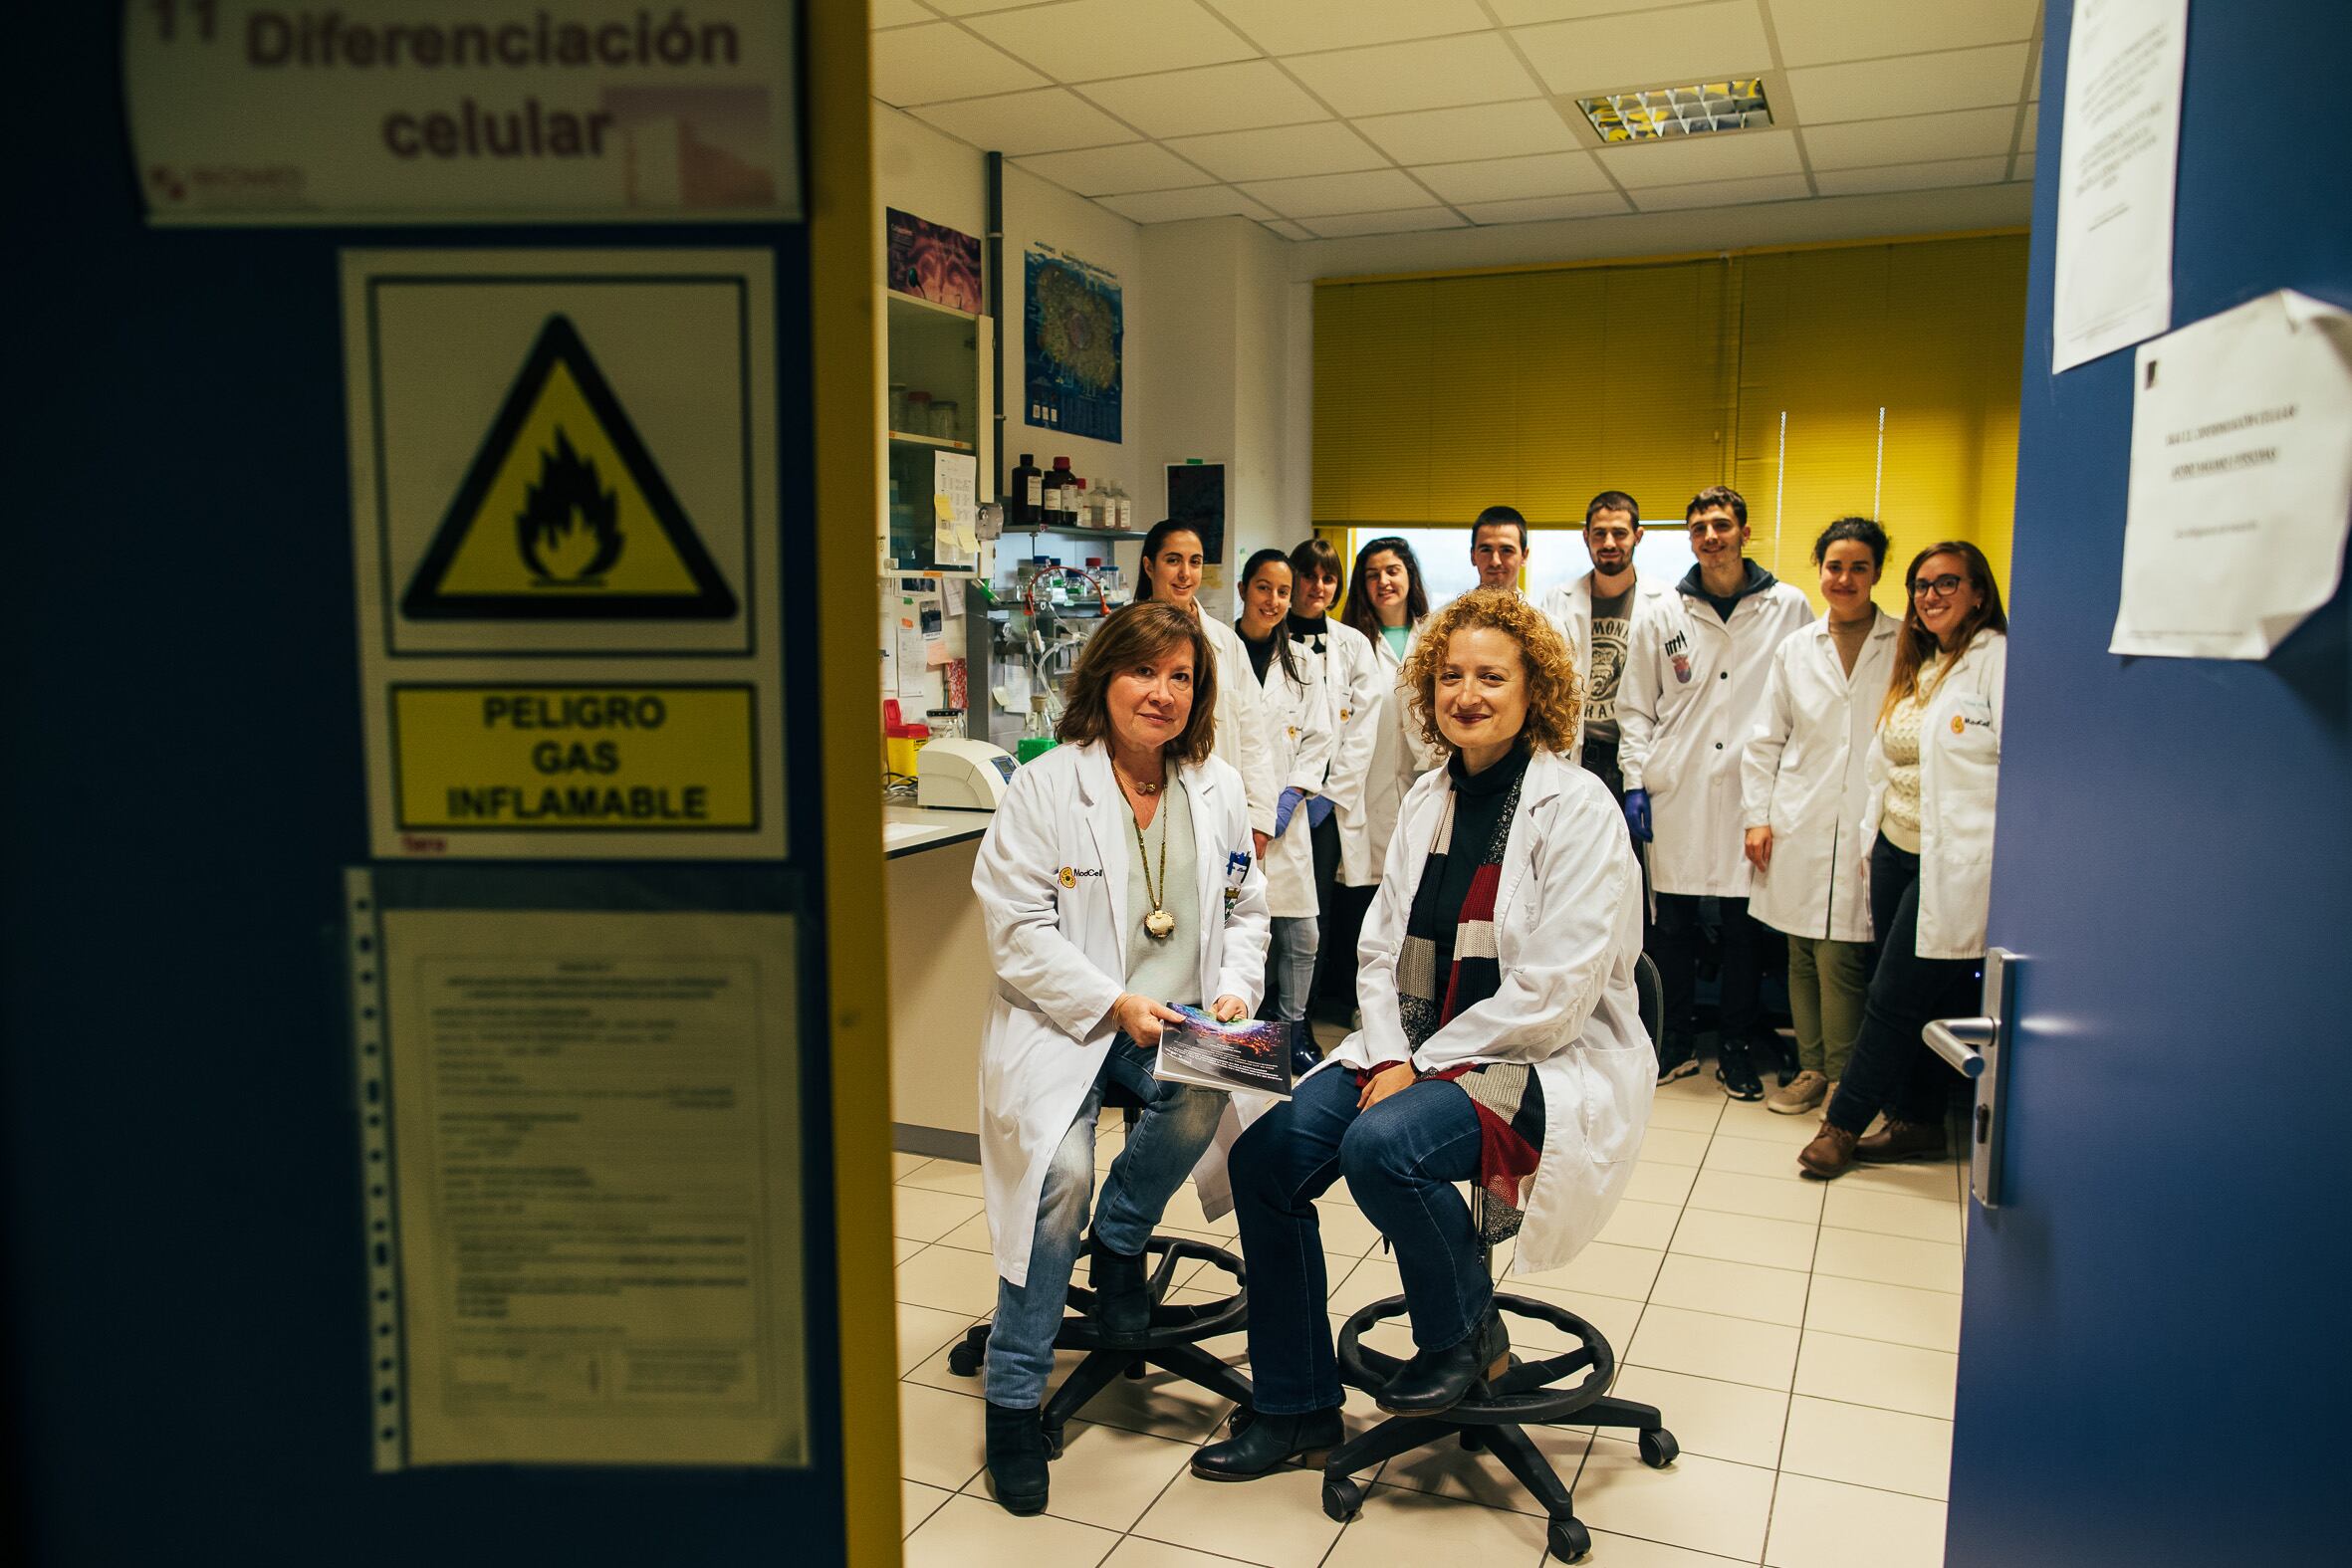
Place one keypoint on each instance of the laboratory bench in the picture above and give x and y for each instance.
(940, 978)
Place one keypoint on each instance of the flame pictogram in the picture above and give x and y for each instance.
(569, 529)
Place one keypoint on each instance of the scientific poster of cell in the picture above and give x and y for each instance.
(933, 262)
(1075, 338)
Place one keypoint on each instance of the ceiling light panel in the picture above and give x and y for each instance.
(1290, 26)
(1688, 160)
(1106, 172)
(1477, 131)
(1241, 97)
(1921, 138)
(1085, 39)
(1914, 84)
(1410, 220)
(1722, 194)
(1547, 209)
(1050, 120)
(1328, 148)
(1375, 190)
(1176, 206)
(1661, 114)
(1912, 176)
(1511, 179)
(1815, 32)
(1687, 44)
(1434, 73)
(925, 64)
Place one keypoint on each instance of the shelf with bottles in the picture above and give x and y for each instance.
(1058, 501)
(940, 443)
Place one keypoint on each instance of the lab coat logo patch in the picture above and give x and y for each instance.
(1068, 877)
(564, 514)
(1957, 726)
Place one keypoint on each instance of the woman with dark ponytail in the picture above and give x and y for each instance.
(1298, 726)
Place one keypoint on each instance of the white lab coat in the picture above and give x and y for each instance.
(1298, 722)
(1051, 879)
(1686, 704)
(1959, 775)
(1242, 737)
(1806, 776)
(1570, 604)
(1568, 931)
(1396, 759)
(1355, 684)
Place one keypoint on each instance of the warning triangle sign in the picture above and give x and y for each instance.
(564, 514)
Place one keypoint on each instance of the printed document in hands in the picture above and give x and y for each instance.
(2241, 480)
(1250, 1054)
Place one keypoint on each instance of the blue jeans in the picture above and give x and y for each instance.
(1292, 955)
(1401, 1158)
(1176, 1126)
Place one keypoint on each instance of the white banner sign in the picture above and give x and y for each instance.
(462, 111)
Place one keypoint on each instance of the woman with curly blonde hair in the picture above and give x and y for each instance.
(1501, 1042)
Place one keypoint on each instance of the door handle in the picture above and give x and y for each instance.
(1977, 1050)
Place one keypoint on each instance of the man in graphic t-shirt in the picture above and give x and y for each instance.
(1598, 612)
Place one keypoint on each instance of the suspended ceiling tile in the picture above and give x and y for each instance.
(1518, 13)
(2033, 127)
(973, 7)
(899, 13)
(1812, 31)
(1547, 209)
(924, 65)
(1291, 231)
(1913, 85)
(1325, 148)
(1240, 96)
(1106, 172)
(1084, 40)
(1722, 194)
(1408, 220)
(1434, 73)
(1477, 130)
(1290, 26)
(1174, 206)
(1687, 161)
(2033, 78)
(1697, 43)
(1912, 176)
(2024, 169)
(1509, 179)
(1375, 190)
(1862, 143)
(1049, 120)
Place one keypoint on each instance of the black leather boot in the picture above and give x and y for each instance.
(1435, 1380)
(1122, 1292)
(1268, 1442)
(1017, 1458)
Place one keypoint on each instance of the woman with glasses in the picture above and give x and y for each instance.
(1933, 775)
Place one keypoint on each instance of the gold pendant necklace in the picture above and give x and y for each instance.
(1159, 925)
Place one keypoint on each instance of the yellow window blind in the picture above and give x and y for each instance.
(1770, 371)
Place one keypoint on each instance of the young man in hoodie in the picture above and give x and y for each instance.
(1694, 681)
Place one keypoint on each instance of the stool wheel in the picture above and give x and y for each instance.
(964, 1359)
(1658, 1449)
(1472, 1440)
(1568, 1540)
(1343, 1499)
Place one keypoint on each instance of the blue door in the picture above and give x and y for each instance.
(2152, 1365)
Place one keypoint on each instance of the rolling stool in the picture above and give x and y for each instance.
(1172, 1343)
(1494, 1414)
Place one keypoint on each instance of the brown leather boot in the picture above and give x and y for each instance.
(1828, 1155)
(1902, 1140)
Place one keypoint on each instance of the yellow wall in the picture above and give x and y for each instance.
(1434, 396)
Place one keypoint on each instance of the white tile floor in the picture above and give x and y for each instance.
(1799, 1338)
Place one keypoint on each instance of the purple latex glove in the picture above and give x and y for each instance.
(1283, 805)
(1318, 810)
(1637, 815)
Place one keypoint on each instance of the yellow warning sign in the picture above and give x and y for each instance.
(576, 758)
(564, 514)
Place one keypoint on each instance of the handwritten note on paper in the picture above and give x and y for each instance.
(2241, 480)
(955, 485)
(2120, 144)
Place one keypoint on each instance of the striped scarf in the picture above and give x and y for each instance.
(1508, 1097)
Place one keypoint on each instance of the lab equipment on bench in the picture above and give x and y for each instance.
(962, 776)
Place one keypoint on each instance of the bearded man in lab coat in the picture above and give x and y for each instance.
(1694, 683)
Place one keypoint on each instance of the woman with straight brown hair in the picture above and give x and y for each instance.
(1116, 881)
(1933, 770)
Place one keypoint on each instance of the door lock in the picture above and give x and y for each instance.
(1975, 1049)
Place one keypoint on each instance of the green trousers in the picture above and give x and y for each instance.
(1827, 982)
